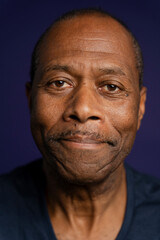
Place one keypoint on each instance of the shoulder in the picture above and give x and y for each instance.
(144, 192)
(146, 187)
(19, 182)
(22, 171)
(21, 202)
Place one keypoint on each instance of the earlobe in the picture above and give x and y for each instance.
(28, 93)
(143, 96)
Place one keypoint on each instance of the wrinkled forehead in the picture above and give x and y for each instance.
(87, 35)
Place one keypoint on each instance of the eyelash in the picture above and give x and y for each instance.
(58, 81)
(112, 87)
(109, 89)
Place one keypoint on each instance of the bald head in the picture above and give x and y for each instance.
(112, 26)
(86, 85)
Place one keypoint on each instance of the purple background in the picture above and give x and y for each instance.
(22, 22)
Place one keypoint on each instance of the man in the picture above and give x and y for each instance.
(86, 102)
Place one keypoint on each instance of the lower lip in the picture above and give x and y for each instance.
(81, 145)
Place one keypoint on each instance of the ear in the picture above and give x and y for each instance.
(28, 93)
(143, 96)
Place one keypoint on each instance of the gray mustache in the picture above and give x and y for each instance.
(93, 135)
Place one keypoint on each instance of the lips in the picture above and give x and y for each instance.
(82, 140)
(81, 143)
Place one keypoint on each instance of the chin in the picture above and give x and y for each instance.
(80, 172)
(82, 179)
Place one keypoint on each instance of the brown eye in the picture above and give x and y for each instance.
(58, 83)
(111, 87)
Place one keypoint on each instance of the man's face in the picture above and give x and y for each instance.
(85, 101)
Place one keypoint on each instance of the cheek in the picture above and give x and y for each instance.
(46, 111)
(124, 116)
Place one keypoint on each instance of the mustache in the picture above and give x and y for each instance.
(57, 136)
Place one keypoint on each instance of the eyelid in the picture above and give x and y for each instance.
(66, 80)
(51, 87)
(65, 85)
(54, 83)
(119, 88)
(112, 82)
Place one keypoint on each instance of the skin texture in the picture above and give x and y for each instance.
(86, 107)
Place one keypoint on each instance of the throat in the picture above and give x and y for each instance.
(85, 211)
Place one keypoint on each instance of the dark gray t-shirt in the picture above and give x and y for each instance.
(24, 216)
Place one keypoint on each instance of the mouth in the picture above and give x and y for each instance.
(82, 142)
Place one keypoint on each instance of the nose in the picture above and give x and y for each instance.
(83, 106)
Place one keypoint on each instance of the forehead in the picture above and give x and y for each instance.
(91, 38)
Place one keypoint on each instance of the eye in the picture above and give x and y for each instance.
(111, 87)
(59, 84)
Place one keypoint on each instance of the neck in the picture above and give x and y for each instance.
(86, 207)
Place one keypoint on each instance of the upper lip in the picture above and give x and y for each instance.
(82, 139)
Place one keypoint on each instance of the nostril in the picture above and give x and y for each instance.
(74, 117)
(94, 118)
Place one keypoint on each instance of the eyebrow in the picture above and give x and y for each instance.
(112, 71)
(65, 68)
(57, 67)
